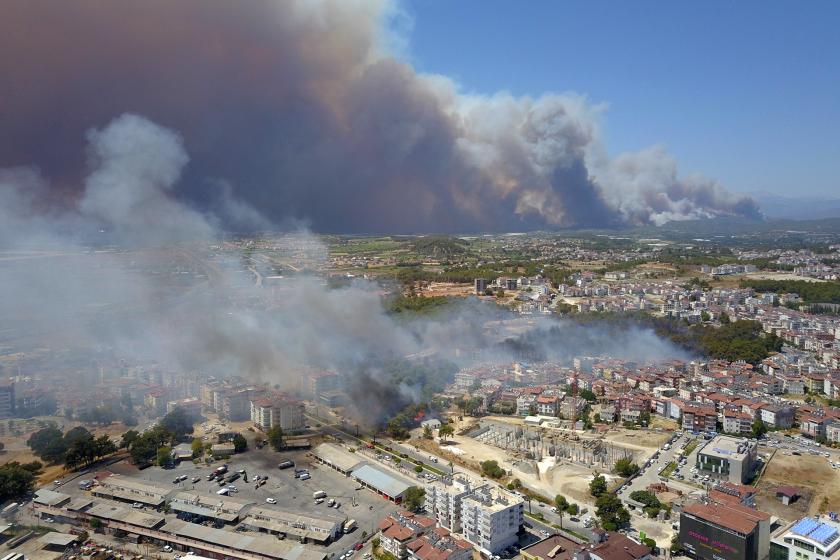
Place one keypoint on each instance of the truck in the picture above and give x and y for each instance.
(233, 477)
(10, 509)
(349, 525)
(319, 494)
(219, 471)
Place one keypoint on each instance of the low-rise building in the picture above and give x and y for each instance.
(439, 544)
(399, 529)
(129, 490)
(810, 538)
(729, 458)
(321, 529)
(715, 531)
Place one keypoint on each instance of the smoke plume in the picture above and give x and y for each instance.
(103, 277)
(295, 108)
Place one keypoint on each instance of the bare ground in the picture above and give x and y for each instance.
(811, 473)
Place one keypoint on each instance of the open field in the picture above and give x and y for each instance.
(809, 472)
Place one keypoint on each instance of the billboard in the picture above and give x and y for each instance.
(706, 541)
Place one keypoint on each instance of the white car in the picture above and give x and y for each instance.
(167, 548)
(270, 501)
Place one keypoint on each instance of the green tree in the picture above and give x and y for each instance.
(164, 456)
(598, 485)
(492, 469)
(724, 318)
(48, 444)
(644, 418)
(418, 469)
(16, 480)
(177, 423)
(705, 317)
(427, 432)
(758, 428)
(611, 512)
(240, 444)
(197, 447)
(128, 438)
(587, 395)
(275, 438)
(561, 502)
(573, 509)
(414, 498)
(626, 467)
(446, 430)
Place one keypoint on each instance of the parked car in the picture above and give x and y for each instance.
(270, 501)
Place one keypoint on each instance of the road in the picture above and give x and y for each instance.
(431, 461)
(650, 474)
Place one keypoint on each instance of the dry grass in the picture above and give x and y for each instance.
(808, 472)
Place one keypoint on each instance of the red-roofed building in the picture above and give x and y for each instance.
(401, 528)
(439, 544)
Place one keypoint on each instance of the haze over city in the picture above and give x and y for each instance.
(413, 280)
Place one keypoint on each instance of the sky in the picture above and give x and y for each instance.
(485, 116)
(745, 92)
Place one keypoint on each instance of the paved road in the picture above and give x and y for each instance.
(651, 474)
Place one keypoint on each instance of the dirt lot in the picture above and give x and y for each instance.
(810, 473)
(447, 289)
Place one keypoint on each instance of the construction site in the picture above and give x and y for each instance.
(536, 443)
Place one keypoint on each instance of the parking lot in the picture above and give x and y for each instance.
(285, 491)
(681, 478)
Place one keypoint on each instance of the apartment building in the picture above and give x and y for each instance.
(443, 501)
(491, 519)
(7, 399)
(267, 412)
(487, 516)
(699, 418)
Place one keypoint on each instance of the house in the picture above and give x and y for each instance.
(547, 405)
(788, 494)
(617, 546)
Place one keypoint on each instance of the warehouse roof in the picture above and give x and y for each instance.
(258, 544)
(50, 497)
(337, 457)
(388, 484)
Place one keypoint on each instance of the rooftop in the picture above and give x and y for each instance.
(731, 516)
(337, 456)
(386, 483)
(728, 447)
(555, 547)
(620, 547)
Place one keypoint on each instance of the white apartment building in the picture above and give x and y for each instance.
(443, 502)
(267, 413)
(491, 519)
(487, 516)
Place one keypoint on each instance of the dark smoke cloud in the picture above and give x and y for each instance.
(113, 301)
(293, 108)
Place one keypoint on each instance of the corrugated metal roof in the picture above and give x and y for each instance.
(387, 484)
